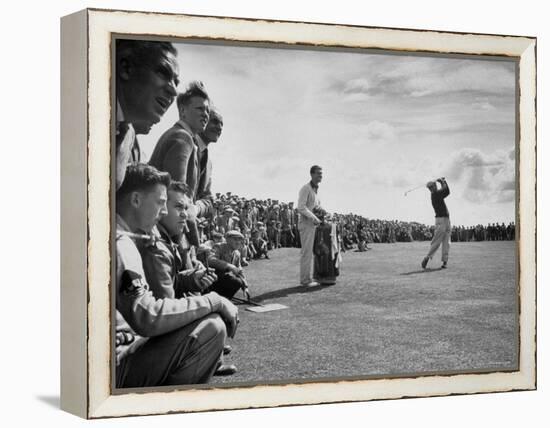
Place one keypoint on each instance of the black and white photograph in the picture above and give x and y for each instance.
(290, 214)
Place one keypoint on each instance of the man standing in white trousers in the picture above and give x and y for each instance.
(307, 202)
(442, 232)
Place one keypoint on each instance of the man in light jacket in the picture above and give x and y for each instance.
(308, 200)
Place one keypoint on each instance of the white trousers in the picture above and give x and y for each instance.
(307, 237)
(442, 235)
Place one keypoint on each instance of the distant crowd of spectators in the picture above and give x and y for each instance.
(275, 224)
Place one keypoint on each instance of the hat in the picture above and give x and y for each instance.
(275, 207)
(431, 184)
(234, 234)
(228, 210)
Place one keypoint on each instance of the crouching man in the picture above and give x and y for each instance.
(160, 341)
(226, 259)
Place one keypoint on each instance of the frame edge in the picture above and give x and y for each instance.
(73, 195)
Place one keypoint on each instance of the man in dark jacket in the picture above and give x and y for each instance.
(442, 232)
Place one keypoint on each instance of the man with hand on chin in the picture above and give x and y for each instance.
(170, 269)
(181, 339)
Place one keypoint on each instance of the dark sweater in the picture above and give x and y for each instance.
(438, 201)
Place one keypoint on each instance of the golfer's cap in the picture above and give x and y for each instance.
(234, 234)
(430, 184)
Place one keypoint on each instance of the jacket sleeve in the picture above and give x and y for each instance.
(204, 199)
(157, 265)
(177, 157)
(445, 191)
(147, 315)
(216, 260)
(123, 149)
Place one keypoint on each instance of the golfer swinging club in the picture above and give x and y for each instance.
(442, 232)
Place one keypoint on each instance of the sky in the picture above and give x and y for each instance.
(379, 125)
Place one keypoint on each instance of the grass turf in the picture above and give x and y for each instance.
(384, 316)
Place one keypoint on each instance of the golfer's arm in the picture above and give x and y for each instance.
(445, 188)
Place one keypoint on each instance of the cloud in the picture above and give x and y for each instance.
(354, 86)
(483, 177)
(483, 106)
(508, 185)
(422, 77)
(378, 131)
(507, 196)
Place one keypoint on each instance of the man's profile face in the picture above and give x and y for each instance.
(214, 128)
(147, 90)
(151, 207)
(196, 114)
(176, 218)
(317, 176)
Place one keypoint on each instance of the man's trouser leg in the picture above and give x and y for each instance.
(439, 235)
(307, 236)
(188, 355)
(446, 240)
(227, 284)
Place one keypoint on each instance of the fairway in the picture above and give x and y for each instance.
(384, 316)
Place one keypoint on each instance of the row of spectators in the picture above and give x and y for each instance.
(275, 223)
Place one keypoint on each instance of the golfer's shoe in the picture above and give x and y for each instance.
(227, 349)
(425, 262)
(444, 265)
(225, 370)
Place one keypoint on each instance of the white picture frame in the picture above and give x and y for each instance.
(86, 217)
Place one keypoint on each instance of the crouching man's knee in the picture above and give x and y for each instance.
(211, 329)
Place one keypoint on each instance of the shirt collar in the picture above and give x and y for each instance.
(314, 186)
(119, 113)
(201, 144)
(162, 232)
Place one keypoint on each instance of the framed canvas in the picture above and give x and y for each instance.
(392, 118)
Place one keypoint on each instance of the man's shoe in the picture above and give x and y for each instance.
(425, 262)
(227, 349)
(311, 284)
(225, 370)
(444, 265)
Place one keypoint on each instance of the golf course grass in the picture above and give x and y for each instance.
(385, 316)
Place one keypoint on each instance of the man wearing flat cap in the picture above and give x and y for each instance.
(225, 258)
(442, 232)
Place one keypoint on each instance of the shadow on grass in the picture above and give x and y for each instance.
(428, 270)
(300, 289)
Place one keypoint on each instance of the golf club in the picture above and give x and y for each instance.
(422, 185)
(418, 187)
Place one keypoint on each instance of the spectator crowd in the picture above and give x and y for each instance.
(275, 224)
